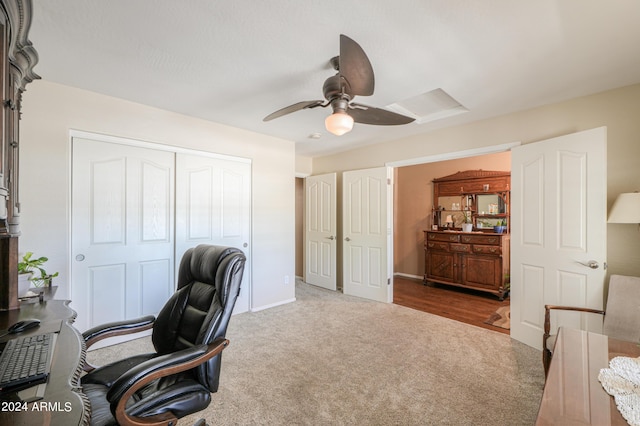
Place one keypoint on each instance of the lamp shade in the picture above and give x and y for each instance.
(626, 208)
(339, 123)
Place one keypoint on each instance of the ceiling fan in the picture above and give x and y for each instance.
(354, 78)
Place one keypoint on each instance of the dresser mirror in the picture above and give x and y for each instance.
(490, 204)
(453, 206)
(479, 196)
(491, 210)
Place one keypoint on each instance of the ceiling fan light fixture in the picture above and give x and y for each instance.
(339, 123)
(354, 78)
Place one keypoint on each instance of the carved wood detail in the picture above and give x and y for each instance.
(473, 174)
(16, 71)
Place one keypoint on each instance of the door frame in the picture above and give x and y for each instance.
(436, 158)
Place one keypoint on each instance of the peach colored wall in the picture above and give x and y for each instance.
(299, 226)
(414, 200)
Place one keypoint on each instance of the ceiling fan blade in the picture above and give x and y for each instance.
(293, 108)
(355, 67)
(369, 115)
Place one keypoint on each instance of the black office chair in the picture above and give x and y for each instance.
(188, 336)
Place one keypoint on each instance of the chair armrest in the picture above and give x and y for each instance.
(546, 352)
(118, 328)
(547, 315)
(127, 384)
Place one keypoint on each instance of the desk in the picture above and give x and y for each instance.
(63, 402)
(572, 394)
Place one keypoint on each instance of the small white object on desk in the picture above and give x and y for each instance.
(622, 381)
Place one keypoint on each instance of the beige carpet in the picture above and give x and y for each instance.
(339, 360)
(500, 318)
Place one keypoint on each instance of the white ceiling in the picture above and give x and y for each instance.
(234, 62)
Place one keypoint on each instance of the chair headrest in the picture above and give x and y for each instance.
(201, 263)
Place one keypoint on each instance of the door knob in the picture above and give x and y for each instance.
(80, 257)
(331, 237)
(347, 239)
(590, 264)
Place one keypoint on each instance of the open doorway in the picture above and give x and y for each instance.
(413, 203)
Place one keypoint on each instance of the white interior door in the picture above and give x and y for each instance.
(122, 231)
(321, 232)
(213, 206)
(366, 224)
(558, 225)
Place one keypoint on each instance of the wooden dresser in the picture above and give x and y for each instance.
(463, 248)
(473, 260)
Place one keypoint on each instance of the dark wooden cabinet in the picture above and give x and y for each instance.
(17, 60)
(477, 258)
(476, 261)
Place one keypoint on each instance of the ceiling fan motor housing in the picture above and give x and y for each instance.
(336, 87)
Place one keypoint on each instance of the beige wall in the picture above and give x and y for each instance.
(413, 200)
(304, 166)
(51, 110)
(618, 110)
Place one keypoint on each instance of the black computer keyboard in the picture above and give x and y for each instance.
(26, 361)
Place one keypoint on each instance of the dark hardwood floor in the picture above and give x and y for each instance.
(468, 306)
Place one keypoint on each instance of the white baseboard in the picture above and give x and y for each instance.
(273, 305)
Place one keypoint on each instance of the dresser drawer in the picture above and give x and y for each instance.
(487, 249)
(437, 245)
(463, 248)
(436, 236)
(481, 239)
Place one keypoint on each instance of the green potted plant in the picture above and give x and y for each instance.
(500, 227)
(467, 221)
(30, 265)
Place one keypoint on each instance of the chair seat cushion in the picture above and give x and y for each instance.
(100, 409)
(108, 374)
(178, 395)
(551, 342)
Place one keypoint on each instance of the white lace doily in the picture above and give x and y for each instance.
(622, 381)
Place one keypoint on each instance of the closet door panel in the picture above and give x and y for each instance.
(122, 214)
(213, 206)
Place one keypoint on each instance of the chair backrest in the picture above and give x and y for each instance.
(622, 314)
(198, 312)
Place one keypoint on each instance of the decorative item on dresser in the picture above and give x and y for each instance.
(475, 256)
